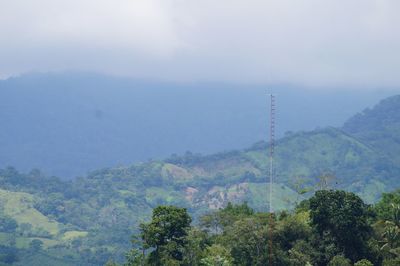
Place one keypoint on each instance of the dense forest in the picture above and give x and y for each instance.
(334, 228)
(89, 220)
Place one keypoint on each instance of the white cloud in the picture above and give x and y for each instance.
(308, 42)
(68, 34)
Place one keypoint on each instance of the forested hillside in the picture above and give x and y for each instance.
(379, 127)
(48, 221)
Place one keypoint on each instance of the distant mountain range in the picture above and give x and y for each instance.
(90, 219)
(68, 124)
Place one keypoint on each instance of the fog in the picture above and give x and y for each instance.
(327, 44)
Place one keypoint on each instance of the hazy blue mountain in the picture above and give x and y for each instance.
(379, 127)
(68, 124)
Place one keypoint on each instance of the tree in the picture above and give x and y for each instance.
(391, 262)
(247, 240)
(389, 227)
(211, 222)
(111, 263)
(197, 242)
(391, 240)
(25, 229)
(301, 254)
(216, 221)
(8, 255)
(133, 258)
(36, 245)
(342, 217)
(293, 228)
(166, 234)
(385, 206)
(339, 260)
(217, 255)
(7, 224)
(299, 185)
(363, 262)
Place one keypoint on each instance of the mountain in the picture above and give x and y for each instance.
(70, 123)
(90, 219)
(379, 127)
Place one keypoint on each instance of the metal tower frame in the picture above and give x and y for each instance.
(271, 150)
(271, 176)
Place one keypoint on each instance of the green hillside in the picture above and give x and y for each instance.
(379, 127)
(89, 220)
(19, 205)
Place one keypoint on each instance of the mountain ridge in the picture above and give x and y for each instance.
(68, 124)
(107, 205)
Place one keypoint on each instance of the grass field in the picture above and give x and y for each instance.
(19, 206)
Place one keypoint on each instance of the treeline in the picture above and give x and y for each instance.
(331, 228)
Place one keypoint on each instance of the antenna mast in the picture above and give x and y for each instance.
(271, 175)
(271, 150)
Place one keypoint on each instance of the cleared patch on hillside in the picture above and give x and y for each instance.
(19, 206)
(71, 235)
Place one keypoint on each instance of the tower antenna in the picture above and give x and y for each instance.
(271, 149)
(271, 175)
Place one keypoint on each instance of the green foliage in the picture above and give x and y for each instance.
(166, 234)
(247, 240)
(292, 228)
(316, 233)
(339, 260)
(363, 262)
(391, 262)
(302, 253)
(387, 205)
(216, 255)
(133, 258)
(343, 217)
(197, 242)
(388, 227)
(334, 228)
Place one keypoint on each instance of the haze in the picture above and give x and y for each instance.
(89, 84)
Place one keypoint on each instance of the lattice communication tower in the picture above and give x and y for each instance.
(271, 176)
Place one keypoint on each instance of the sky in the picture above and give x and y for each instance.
(321, 44)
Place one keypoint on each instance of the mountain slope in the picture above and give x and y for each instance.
(379, 127)
(304, 156)
(107, 205)
(69, 124)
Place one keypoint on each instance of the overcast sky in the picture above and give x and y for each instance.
(323, 43)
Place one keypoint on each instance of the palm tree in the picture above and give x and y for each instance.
(391, 234)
